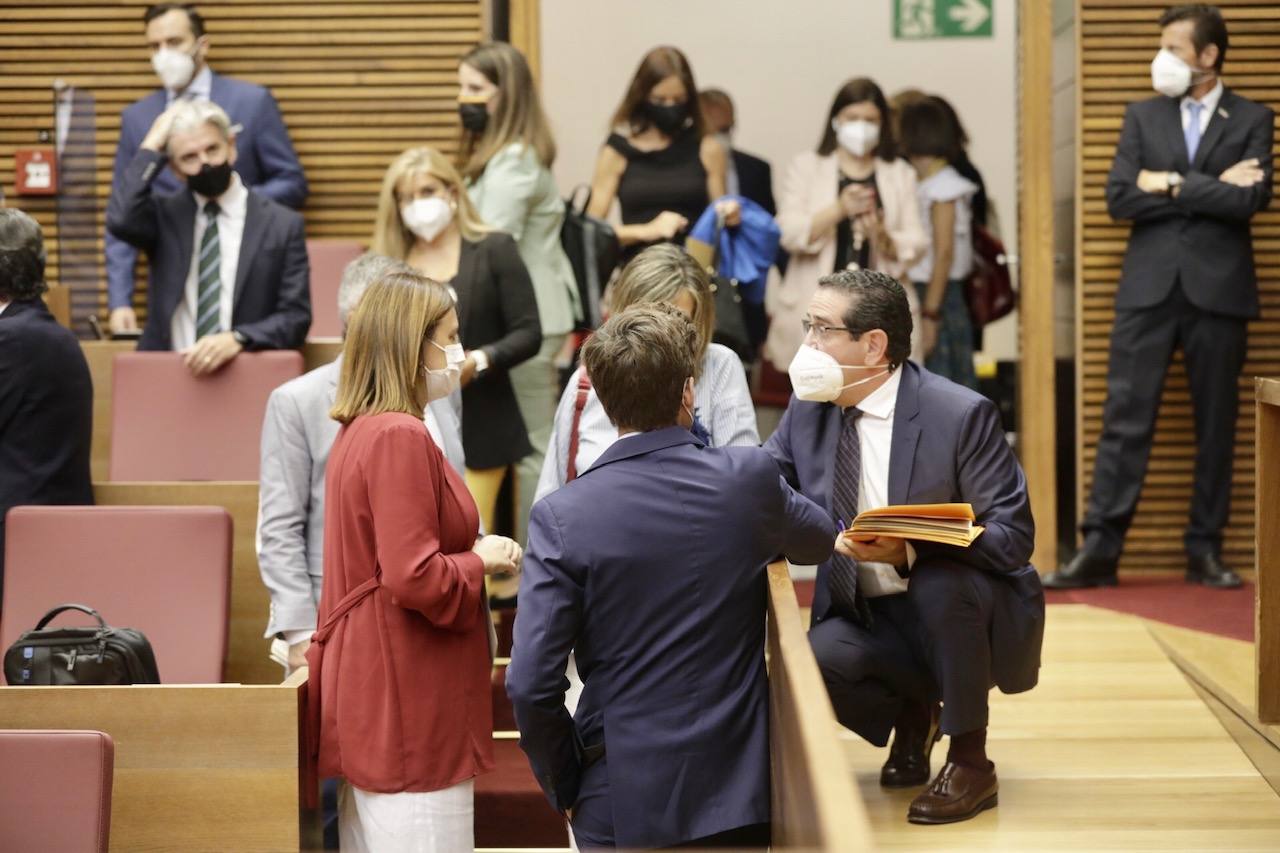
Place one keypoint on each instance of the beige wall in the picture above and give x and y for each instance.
(782, 62)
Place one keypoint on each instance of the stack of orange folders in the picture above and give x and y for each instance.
(947, 524)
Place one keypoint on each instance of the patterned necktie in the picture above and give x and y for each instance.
(843, 578)
(1192, 131)
(209, 293)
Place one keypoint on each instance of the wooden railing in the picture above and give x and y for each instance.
(816, 805)
(1267, 539)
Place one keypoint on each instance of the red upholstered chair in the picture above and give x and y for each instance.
(169, 425)
(328, 259)
(163, 570)
(55, 790)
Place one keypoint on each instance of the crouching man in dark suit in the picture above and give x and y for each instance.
(900, 626)
(229, 266)
(652, 566)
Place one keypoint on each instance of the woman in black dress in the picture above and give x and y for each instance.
(661, 163)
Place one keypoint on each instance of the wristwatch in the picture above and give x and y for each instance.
(241, 338)
(1172, 181)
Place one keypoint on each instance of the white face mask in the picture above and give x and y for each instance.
(859, 137)
(174, 67)
(427, 217)
(442, 383)
(1170, 75)
(816, 376)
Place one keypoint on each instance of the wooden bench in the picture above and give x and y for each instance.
(1267, 549)
(197, 767)
(816, 805)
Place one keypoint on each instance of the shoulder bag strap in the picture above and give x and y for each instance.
(584, 388)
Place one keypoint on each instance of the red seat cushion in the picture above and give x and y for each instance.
(165, 571)
(169, 425)
(328, 259)
(55, 790)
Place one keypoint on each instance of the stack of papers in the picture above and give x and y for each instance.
(947, 524)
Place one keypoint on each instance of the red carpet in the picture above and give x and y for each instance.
(1163, 598)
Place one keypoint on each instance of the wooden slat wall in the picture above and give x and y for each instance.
(1118, 39)
(358, 82)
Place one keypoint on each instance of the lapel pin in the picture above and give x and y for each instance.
(1223, 113)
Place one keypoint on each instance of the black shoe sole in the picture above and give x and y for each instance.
(989, 803)
(924, 780)
(1212, 584)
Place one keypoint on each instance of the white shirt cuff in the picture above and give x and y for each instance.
(296, 636)
(911, 556)
(482, 360)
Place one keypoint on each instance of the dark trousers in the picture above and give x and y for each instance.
(928, 644)
(1142, 344)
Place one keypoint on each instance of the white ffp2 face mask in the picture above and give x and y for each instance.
(442, 383)
(175, 68)
(859, 137)
(817, 377)
(1170, 75)
(427, 217)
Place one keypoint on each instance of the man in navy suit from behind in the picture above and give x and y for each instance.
(46, 396)
(898, 626)
(651, 565)
(267, 163)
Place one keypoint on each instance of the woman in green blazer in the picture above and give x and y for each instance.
(506, 158)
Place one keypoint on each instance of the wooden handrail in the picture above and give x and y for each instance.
(1267, 549)
(816, 805)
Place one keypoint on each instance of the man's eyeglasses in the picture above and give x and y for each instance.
(822, 332)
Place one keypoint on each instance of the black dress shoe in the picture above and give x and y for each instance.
(1207, 569)
(1084, 570)
(908, 763)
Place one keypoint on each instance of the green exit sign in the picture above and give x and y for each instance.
(938, 19)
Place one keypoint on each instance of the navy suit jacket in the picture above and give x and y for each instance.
(46, 413)
(272, 300)
(1201, 238)
(948, 446)
(652, 566)
(265, 160)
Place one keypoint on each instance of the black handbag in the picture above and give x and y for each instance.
(77, 656)
(731, 322)
(593, 251)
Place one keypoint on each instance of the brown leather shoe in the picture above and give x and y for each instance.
(958, 793)
(908, 763)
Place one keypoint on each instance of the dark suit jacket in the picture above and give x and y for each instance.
(272, 302)
(497, 312)
(755, 179)
(46, 413)
(265, 160)
(947, 447)
(652, 565)
(1201, 238)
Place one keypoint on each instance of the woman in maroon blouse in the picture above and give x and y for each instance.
(402, 656)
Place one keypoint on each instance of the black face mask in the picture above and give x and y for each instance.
(666, 118)
(475, 117)
(211, 181)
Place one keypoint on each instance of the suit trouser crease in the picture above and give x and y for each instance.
(1142, 346)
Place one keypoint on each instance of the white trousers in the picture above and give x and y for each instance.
(436, 822)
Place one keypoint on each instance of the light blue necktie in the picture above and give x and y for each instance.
(1192, 131)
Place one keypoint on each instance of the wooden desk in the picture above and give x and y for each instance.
(247, 649)
(58, 301)
(816, 805)
(197, 767)
(1267, 548)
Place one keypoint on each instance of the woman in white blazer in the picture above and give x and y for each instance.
(851, 202)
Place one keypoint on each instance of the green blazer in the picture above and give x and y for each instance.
(517, 194)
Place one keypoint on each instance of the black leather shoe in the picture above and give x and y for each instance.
(1084, 570)
(1208, 570)
(908, 763)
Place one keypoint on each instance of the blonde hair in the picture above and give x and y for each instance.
(518, 116)
(390, 236)
(382, 357)
(660, 274)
